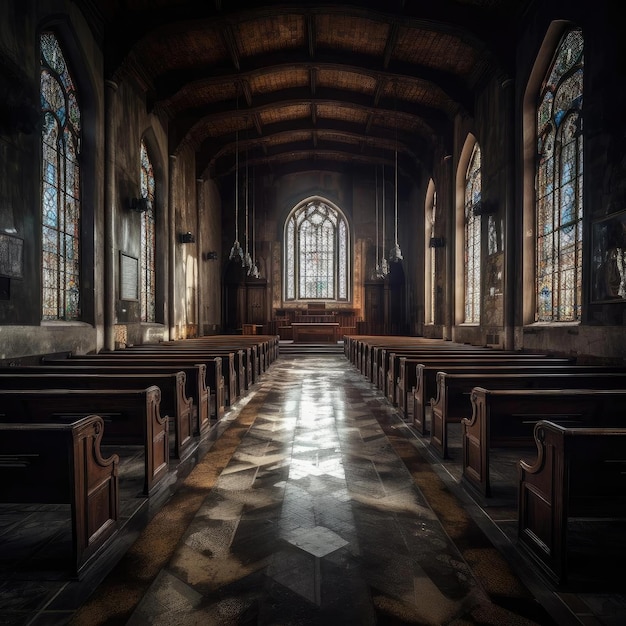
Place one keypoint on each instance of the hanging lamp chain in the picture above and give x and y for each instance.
(236, 252)
(396, 254)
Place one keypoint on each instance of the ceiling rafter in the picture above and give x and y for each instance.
(390, 45)
(430, 121)
(382, 145)
(231, 45)
(310, 35)
(170, 85)
(305, 68)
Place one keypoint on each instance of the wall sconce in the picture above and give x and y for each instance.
(139, 204)
(209, 256)
(186, 237)
(436, 242)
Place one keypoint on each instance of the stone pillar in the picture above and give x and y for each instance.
(510, 249)
(200, 262)
(171, 274)
(110, 264)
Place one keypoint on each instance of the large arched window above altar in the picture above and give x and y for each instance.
(316, 245)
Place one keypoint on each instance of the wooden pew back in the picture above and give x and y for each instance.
(578, 472)
(507, 417)
(61, 462)
(453, 393)
(131, 417)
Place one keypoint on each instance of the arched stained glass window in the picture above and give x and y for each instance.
(148, 240)
(60, 185)
(559, 182)
(316, 253)
(472, 241)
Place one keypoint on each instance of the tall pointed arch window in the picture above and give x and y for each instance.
(148, 239)
(430, 274)
(316, 244)
(60, 185)
(472, 238)
(559, 183)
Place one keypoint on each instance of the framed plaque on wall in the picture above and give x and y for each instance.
(129, 277)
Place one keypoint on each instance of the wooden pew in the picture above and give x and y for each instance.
(505, 418)
(131, 417)
(174, 403)
(453, 393)
(388, 366)
(237, 376)
(205, 383)
(426, 376)
(229, 373)
(578, 473)
(61, 463)
(195, 380)
(375, 352)
(268, 345)
(359, 348)
(398, 379)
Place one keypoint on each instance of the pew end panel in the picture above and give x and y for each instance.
(578, 473)
(62, 463)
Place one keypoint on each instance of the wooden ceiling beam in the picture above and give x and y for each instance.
(310, 35)
(231, 45)
(390, 45)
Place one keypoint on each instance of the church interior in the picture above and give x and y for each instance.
(312, 313)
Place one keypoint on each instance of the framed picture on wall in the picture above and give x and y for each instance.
(608, 258)
(129, 277)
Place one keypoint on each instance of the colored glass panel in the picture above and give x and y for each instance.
(60, 185)
(559, 171)
(148, 240)
(472, 238)
(316, 253)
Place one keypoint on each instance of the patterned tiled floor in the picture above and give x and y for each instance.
(314, 519)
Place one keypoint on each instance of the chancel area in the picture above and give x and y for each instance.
(312, 313)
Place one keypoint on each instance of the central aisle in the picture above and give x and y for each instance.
(315, 519)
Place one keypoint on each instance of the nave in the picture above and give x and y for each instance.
(316, 504)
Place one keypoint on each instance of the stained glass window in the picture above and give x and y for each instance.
(316, 253)
(472, 240)
(60, 185)
(148, 241)
(559, 176)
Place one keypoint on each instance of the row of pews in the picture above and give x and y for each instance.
(567, 420)
(68, 423)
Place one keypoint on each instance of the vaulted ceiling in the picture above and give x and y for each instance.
(297, 85)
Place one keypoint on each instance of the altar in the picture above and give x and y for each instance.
(315, 332)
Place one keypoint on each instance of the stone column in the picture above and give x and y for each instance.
(510, 249)
(171, 282)
(110, 264)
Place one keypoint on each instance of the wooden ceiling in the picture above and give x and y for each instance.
(297, 85)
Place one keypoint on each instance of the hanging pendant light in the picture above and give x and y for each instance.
(376, 272)
(384, 266)
(236, 252)
(247, 259)
(254, 268)
(395, 253)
